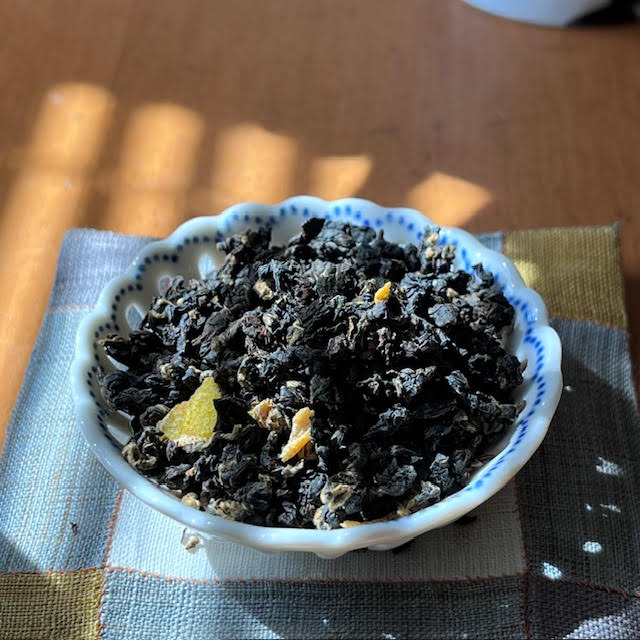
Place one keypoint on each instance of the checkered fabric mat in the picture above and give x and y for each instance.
(556, 554)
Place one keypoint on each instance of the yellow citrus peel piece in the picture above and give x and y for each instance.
(300, 434)
(382, 293)
(192, 422)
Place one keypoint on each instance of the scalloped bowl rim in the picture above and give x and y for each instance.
(331, 543)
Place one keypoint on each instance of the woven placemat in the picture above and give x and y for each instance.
(553, 555)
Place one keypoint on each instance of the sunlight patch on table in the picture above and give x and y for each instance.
(252, 164)
(551, 571)
(614, 508)
(67, 137)
(591, 546)
(448, 200)
(51, 180)
(608, 467)
(157, 162)
(334, 177)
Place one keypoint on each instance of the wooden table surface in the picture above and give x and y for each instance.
(135, 115)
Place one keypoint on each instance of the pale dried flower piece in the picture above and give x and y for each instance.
(429, 494)
(230, 509)
(190, 540)
(165, 371)
(295, 332)
(261, 411)
(191, 500)
(191, 543)
(382, 293)
(300, 434)
(263, 290)
(336, 495)
(318, 519)
(131, 453)
(268, 416)
(291, 470)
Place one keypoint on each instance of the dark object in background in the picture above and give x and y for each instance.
(613, 12)
(563, 13)
(393, 356)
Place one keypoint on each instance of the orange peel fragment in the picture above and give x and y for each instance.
(382, 293)
(192, 422)
(300, 434)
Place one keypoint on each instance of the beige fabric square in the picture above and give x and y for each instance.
(50, 606)
(576, 271)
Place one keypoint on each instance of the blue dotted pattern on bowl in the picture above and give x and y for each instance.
(347, 214)
(523, 310)
(540, 388)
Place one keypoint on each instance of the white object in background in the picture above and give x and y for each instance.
(552, 13)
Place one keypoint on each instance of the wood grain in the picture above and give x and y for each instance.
(133, 116)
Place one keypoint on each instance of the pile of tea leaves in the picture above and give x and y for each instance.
(339, 379)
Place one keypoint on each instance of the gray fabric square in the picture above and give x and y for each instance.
(487, 610)
(580, 492)
(88, 260)
(559, 610)
(55, 497)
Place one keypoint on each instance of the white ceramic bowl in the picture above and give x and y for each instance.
(550, 13)
(190, 251)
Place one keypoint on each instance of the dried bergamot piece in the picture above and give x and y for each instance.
(300, 434)
(382, 293)
(191, 423)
